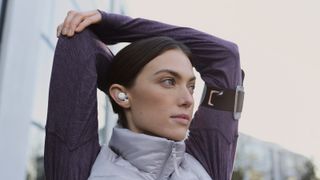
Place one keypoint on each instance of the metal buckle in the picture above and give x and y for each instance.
(238, 102)
(218, 93)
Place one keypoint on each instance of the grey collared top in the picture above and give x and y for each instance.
(139, 156)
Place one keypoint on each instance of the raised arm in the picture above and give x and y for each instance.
(213, 133)
(206, 49)
(72, 144)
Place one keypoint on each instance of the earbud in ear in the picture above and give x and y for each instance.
(122, 96)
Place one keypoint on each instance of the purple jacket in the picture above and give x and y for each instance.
(79, 67)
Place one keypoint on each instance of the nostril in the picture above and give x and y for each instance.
(187, 102)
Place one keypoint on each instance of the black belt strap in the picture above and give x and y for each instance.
(225, 99)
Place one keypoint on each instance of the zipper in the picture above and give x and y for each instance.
(174, 156)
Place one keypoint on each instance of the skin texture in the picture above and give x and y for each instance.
(160, 103)
(77, 21)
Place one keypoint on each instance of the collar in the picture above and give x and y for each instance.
(155, 155)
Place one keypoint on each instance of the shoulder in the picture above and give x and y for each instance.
(110, 165)
(104, 159)
(196, 167)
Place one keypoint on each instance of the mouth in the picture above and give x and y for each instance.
(181, 118)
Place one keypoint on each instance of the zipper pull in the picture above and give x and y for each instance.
(174, 155)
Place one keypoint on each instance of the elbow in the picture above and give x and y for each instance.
(234, 64)
(233, 51)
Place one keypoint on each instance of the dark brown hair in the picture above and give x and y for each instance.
(128, 63)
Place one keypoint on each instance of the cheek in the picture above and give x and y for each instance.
(152, 102)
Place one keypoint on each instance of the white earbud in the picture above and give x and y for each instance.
(122, 96)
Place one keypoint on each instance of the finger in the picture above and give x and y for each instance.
(59, 28)
(90, 13)
(77, 19)
(67, 22)
(87, 22)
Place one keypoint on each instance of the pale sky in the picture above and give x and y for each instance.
(280, 53)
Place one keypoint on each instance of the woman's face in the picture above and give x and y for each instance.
(161, 99)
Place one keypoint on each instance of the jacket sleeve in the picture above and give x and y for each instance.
(213, 133)
(71, 143)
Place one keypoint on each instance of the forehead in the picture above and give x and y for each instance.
(174, 60)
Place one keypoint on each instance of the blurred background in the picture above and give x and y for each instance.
(279, 49)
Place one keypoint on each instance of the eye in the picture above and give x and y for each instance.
(169, 82)
(191, 88)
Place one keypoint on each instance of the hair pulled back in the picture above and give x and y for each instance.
(129, 62)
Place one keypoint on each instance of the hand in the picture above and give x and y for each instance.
(78, 21)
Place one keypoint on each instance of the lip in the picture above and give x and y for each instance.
(181, 118)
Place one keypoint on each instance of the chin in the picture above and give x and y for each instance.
(178, 139)
(179, 136)
(176, 134)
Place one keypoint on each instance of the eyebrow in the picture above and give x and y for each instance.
(173, 73)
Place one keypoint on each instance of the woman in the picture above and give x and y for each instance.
(150, 84)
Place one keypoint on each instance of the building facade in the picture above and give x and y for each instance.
(260, 160)
(28, 38)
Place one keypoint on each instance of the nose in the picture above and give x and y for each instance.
(185, 98)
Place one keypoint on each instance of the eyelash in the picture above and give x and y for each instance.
(173, 82)
(192, 89)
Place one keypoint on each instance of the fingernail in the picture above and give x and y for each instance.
(64, 31)
(70, 32)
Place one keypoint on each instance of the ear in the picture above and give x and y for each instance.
(114, 91)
